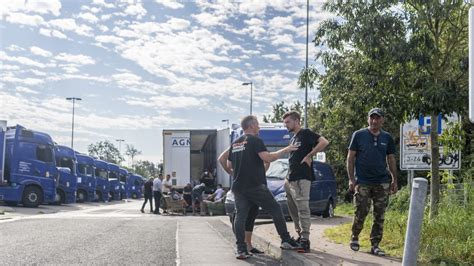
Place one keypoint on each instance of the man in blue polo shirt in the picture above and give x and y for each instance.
(369, 151)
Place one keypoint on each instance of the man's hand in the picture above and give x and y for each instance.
(352, 185)
(393, 187)
(291, 148)
(307, 160)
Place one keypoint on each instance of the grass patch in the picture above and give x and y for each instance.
(344, 209)
(448, 239)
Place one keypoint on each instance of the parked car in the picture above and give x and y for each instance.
(323, 195)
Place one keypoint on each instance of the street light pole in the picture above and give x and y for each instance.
(120, 145)
(306, 69)
(251, 92)
(73, 99)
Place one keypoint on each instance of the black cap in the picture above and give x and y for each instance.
(376, 111)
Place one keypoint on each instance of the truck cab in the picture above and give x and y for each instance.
(114, 183)
(28, 172)
(124, 188)
(102, 177)
(134, 184)
(67, 186)
(86, 181)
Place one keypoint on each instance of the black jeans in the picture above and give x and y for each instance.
(148, 197)
(157, 196)
(262, 197)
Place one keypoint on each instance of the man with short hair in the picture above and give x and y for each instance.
(196, 196)
(148, 194)
(247, 155)
(300, 175)
(157, 183)
(370, 150)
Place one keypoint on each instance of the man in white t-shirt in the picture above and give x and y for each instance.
(157, 183)
(167, 185)
(214, 198)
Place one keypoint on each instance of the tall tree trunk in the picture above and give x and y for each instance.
(435, 180)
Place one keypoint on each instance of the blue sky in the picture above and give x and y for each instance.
(144, 66)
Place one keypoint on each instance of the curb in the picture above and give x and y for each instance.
(287, 257)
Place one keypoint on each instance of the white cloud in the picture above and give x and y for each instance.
(24, 19)
(15, 48)
(135, 10)
(69, 24)
(25, 90)
(52, 33)
(109, 39)
(33, 6)
(285, 39)
(171, 102)
(178, 24)
(38, 51)
(102, 3)
(21, 60)
(89, 17)
(274, 57)
(76, 59)
(208, 19)
(170, 4)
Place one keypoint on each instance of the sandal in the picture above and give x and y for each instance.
(354, 245)
(377, 251)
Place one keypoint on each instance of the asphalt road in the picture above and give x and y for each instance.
(117, 234)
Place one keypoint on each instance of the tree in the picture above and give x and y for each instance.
(146, 168)
(106, 151)
(408, 58)
(131, 152)
(279, 110)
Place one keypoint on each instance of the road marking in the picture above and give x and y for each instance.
(178, 259)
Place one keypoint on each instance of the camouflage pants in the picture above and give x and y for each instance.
(363, 198)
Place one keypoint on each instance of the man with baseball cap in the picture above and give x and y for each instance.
(369, 151)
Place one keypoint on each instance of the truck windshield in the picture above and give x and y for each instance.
(84, 169)
(102, 173)
(113, 174)
(278, 169)
(66, 162)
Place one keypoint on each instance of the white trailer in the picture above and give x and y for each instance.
(187, 153)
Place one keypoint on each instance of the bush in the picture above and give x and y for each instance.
(401, 201)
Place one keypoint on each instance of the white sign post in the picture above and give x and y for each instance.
(415, 145)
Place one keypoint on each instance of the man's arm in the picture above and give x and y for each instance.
(322, 143)
(392, 167)
(350, 164)
(223, 161)
(269, 157)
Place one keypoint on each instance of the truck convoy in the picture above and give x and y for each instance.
(34, 170)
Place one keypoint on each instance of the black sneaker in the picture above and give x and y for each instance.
(289, 244)
(256, 251)
(304, 246)
(241, 255)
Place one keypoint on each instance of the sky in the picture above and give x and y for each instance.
(144, 66)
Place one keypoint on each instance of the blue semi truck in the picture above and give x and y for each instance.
(124, 188)
(67, 186)
(134, 186)
(28, 172)
(102, 177)
(86, 180)
(114, 183)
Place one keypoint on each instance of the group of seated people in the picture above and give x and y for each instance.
(196, 194)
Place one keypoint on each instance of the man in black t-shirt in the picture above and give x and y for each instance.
(300, 175)
(247, 155)
(148, 194)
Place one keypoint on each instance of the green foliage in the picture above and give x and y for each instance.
(280, 109)
(453, 138)
(146, 168)
(132, 152)
(401, 201)
(448, 238)
(344, 209)
(105, 150)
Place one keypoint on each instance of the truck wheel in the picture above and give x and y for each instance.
(134, 195)
(111, 196)
(81, 196)
(60, 197)
(32, 197)
(329, 211)
(98, 196)
(11, 203)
